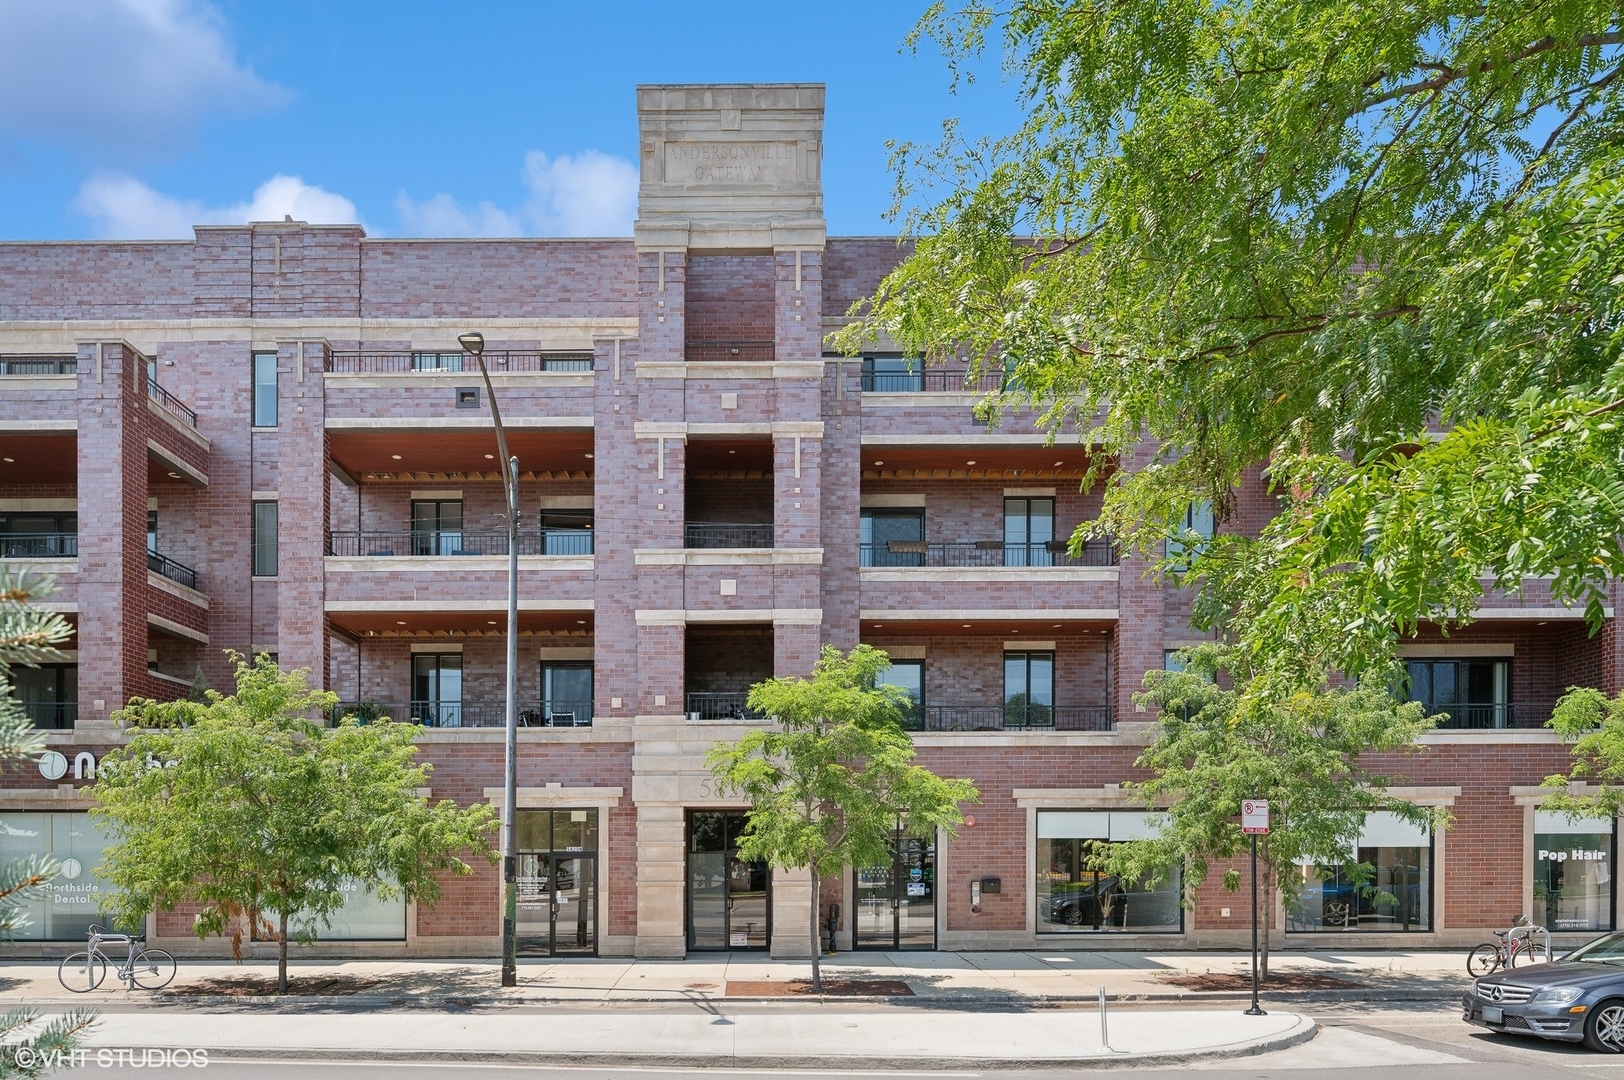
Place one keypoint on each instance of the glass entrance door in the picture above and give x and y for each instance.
(558, 888)
(896, 904)
(729, 898)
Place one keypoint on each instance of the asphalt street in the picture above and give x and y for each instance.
(1358, 1041)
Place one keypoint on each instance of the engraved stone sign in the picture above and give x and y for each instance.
(729, 162)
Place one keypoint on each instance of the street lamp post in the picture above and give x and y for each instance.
(474, 343)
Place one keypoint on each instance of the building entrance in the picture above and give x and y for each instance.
(896, 904)
(557, 876)
(729, 898)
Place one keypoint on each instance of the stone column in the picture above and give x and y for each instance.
(303, 640)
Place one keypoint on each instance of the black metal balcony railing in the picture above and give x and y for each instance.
(932, 380)
(52, 715)
(1478, 716)
(722, 351)
(38, 365)
(407, 361)
(1011, 717)
(726, 534)
(39, 545)
(720, 706)
(169, 568)
(171, 404)
(551, 712)
(903, 553)
(411, 542)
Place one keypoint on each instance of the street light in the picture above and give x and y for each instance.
(474, 344)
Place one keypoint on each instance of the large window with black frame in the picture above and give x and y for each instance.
(1384, 886)
(1573, 872)
(891, 537)
(1075, 893)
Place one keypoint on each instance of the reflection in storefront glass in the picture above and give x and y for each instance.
(1392, 892)
(68, 905)
(1573, 873)
(1073, 895)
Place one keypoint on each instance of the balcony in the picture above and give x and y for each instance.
(697, 351)
(58, 545)
(1012, 716)
(38, 365)
(406, 361)
(719, 706)
(1489, 716)
(385, 544)
(985, 553)
(171, 404)
(51, 715)
(726, 534)
(546, 713)
(164, 566)
(889, 375)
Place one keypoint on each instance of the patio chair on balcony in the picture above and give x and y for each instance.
(905, 547)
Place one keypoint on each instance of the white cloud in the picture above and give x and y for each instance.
(586, 194)
(126, 75)
(127, 209)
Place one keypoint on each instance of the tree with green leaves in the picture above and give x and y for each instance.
(28, 636)
(248, 807)
(832, 778)
(1594, 724)
(1374, 245)
(1215, 747)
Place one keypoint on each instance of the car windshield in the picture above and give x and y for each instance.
(1604, 950)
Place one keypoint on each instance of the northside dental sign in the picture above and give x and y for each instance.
(729, 162)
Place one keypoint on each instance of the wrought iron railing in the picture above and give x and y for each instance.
(170, 403)
(1478, 716)
(38, 365)
(52, 715)
(721, 351)
(726, 534)
(985, 553)
(396, 362)
(547, 712)
(169, 568)
(932, 380)
(386, 543)
(39, 545)
(1009, 717)
(720, 706)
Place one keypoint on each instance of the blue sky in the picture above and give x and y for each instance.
(142, 117)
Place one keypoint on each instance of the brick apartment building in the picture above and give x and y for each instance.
(266, 438)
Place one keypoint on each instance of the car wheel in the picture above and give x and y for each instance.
(1604, 1027)
(1073, 915)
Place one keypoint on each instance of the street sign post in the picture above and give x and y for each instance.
(1254, 823)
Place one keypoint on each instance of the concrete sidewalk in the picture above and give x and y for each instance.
(936, 978)
(707, 1035)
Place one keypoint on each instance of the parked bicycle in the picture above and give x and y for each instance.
(150, 969)
(1516, 946)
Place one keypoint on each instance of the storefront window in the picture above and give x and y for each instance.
(64, 909)
(1074, 895)
(364, 917)
(1573, 872)
(1392, 893)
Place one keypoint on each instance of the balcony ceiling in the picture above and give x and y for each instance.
(38, 459)
(711, 455)
(427, 625)
(1003, 629)
(438, 451)
(1054, 461)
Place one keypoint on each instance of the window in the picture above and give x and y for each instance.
(1198, 520)
(437, 361)
(64, 909)
(264, 540)
(891, 538)
(39, 536)
(49, 694)
(893, 374)
(566, 694)
(1573, 872)
(152, 532)
(910, 676)
(437, 689)
(1028, 689)
(566, 363)
(364, 917)
(1074, 894)
(566, 532)
(265, 389)
(1028, 532)
(1470, 693)
(437, 527)
(1395, 893)
(1172, 659)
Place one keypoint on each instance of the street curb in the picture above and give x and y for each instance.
(1304, 1030)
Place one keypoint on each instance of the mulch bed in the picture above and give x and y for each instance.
(831, 988)
(1286, 980)
(298, 986)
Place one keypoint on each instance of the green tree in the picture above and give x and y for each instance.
(1215, 747)
(1374, 244)
(247, 807)
(28, 636)
(1594, 724)
(832, 779)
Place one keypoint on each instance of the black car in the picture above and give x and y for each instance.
(1579, 998)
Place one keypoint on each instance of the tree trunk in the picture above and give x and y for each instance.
(282, 949)
(817, 938)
